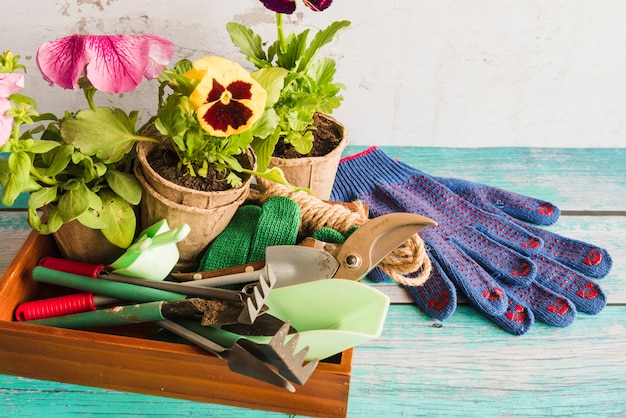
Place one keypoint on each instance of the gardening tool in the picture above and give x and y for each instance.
(138, 290)
(330, 315)
(295, 264)
(62, 305)
(211, 313)
(276, 352)
(154, 253)
(238, 358)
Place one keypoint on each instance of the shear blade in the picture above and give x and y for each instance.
(374, 240)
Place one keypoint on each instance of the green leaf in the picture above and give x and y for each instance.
(238, 143)
(100, 168)
(21, 99)
(94, 200)
(42, 146)
(296, 45)
(52, 224)
(171, 120)
(59, 160)
(322, 71)
(42, 197)
(234, 180)
(272, 80)
(11, 190)
(321, 38)
(119, 219)
(125, 185)
(19, 164)
(249, 43)
(276, 175)
(266, 125)
(300, 119)
(45, 117)
(73, 202)
(302, 142)
(91, 219)
(104, 132)
(264, 148)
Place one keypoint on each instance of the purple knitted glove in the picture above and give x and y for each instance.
(502, 267)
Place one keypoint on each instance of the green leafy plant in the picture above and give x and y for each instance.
(298, 84)
(66, 181)
(207, 112)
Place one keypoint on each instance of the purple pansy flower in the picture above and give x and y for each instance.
(289, 6)
(9, 83)
(112, 63)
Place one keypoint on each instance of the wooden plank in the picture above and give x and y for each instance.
(13, 231)
(573, 179)
(418, 368)
(35, 398)
(467, 367)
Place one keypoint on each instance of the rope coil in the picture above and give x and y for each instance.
(409, 259)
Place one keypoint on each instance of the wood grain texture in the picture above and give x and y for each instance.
(464, 366)
(573, 179)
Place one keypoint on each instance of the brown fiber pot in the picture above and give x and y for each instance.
(206, 220)
(314, 173)
(80, 243)
(180, 194)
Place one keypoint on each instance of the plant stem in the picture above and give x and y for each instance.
(89, 93)
(281, 33)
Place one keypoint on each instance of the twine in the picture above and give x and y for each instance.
(410, 258)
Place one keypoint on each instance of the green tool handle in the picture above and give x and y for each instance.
(120, 315)
(217, 335)
(118, 290)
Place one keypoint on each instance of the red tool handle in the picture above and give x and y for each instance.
(74, 267)
(59, 306)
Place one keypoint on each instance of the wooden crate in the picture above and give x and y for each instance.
(126, 359)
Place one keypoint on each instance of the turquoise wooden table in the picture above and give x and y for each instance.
(465, 366)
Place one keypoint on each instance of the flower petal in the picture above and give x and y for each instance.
(280, 6)
(63, 61)
(6, 122)
(227, 99)
(10, 83)
(116, 62)
(161, 51)
(318, 5)
(112, 63)
(221, 118)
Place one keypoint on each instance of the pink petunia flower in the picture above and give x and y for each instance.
(112, 63)
(289, 6)
(9, 83)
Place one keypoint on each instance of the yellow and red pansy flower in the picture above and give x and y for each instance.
(227, 99)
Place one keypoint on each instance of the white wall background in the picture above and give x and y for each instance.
(458, 73)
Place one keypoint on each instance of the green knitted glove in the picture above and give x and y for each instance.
(232, 246)
(250, 231)
(333, 236)
(278, 225)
